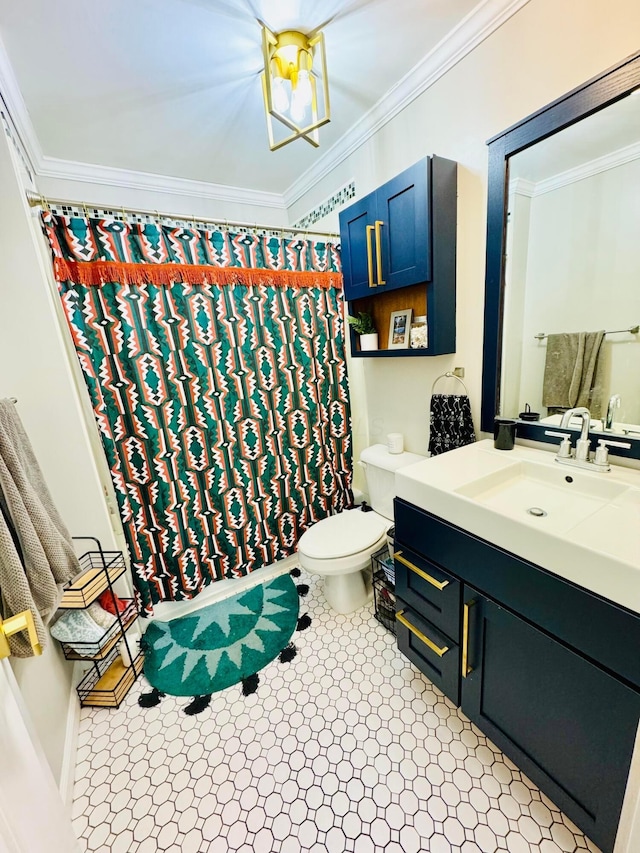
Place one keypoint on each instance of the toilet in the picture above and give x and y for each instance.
(338, 548)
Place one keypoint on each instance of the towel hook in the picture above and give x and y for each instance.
(449, 375)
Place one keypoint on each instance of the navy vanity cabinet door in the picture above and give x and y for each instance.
(432, 652)
(569, 725)
(432, 592)
(358, 261)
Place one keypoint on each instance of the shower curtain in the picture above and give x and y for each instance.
(215, 365)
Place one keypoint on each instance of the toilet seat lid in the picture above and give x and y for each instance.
(343, 534)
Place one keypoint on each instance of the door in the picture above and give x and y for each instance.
(32, 814)
(403, 228)
(357, 237)
(569, 725)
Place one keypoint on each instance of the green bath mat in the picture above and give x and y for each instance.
(222, 644)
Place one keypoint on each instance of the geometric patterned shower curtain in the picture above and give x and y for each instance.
(220, 391)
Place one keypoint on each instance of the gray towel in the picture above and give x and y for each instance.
(573, 372)
(36, 552)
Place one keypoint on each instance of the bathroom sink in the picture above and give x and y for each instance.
(551, 498)
(581, 525)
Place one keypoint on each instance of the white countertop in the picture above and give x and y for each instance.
(590, 535)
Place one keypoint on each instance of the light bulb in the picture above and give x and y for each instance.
(303, 90)
(279, 95)
(298, 107)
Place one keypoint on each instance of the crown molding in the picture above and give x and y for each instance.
(89, 173)
(521, 186)
(588, 170)
(532, 189)
(477, 26)
(20, 118)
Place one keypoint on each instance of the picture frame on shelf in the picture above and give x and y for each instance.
(400, 329)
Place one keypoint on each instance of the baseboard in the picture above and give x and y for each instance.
(68, 769)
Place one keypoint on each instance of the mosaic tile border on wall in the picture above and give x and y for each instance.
(338, 199)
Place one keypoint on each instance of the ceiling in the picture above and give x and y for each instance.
(172, 87)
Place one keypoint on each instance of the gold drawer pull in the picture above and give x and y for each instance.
(439, 651)
(466, 669)
(424, 575)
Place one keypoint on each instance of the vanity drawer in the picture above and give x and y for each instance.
(433, 653)
(427, 588)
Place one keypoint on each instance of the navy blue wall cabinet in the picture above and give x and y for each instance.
(551, 670)
(399, 251)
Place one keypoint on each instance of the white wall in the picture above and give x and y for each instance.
(583, 271)
(515, 275)
(540, 53)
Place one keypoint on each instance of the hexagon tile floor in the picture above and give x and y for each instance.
(347, 748)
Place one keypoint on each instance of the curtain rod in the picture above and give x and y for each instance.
(40, 201)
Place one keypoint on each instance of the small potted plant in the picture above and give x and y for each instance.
(363, 325)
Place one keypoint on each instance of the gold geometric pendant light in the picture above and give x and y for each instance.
(294, 86)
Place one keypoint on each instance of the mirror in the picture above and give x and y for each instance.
(563, 257)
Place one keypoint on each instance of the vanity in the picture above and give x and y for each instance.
(518, 576)
(529, 621)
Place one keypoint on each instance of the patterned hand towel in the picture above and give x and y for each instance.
(450, 423)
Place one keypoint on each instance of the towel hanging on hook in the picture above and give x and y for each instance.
(450, 420)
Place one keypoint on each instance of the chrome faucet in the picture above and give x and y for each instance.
(582, 444)
(614, 403)
(565, 454)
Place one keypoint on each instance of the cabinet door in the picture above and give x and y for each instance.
(405, 234)
(569, 725)
(358, 248)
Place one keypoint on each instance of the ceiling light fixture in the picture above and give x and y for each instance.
(294, 85)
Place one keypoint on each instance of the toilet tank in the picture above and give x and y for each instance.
(380, 468)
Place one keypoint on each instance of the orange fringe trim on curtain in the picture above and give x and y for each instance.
(99, 272)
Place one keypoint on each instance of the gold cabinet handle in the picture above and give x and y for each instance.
(13, 625)
(370, 229)
(422, 637)
(466, 669)
(378, 226)
(420, 572)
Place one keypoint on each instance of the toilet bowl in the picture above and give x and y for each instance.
(339, 548)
